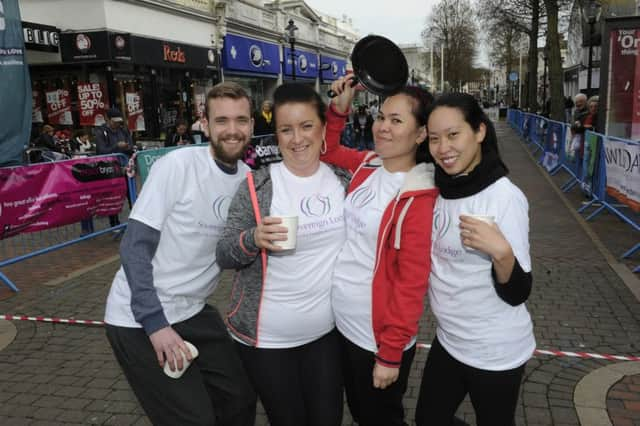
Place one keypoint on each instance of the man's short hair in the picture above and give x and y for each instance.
(580, 96)
(228, 89)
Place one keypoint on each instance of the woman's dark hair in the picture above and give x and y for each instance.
(421, 100)
(82, 132)
(474, 115)
(298, 93)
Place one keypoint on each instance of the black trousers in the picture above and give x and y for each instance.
(299, 386)
(213, 391)
(370, 406)
(446, 381)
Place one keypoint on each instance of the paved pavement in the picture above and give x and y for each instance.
(583, 300)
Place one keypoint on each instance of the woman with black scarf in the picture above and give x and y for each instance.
(480, 272)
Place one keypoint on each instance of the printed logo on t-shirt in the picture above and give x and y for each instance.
(441, 223)
(441, 245)
(315, 206)
(221, 207)
(362, 196)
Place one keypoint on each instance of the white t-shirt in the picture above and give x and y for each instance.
(296, 303)
(353, 275)
(186, 198)
(474, 325)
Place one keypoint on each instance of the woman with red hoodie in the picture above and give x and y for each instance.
(381, 275)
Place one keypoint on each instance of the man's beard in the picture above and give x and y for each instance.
(222, 155)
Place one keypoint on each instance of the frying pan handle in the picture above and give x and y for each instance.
(332, 94)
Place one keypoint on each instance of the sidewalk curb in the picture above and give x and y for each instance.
(628, 278)
(8, 333)
(590, 395)
(74, 274)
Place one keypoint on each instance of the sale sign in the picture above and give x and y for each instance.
(92, 102)
(135, 116)
(59, 107)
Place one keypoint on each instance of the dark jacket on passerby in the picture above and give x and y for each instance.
(175, 138)
(579, 116)
(107, 140)
(47, 141)
(261, 126)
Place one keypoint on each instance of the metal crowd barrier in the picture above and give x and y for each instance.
(582, 157)
(23, 246)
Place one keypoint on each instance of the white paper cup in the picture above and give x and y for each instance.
(488, 219)
(291, 223)
(176, 374)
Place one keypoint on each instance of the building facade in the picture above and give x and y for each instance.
(156, 59)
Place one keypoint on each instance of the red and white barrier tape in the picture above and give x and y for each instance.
(54, 320)
(583, 355)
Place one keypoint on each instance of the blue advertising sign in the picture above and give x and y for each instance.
(332, 68)
(306, 63)
(15, 86)
(249, 55)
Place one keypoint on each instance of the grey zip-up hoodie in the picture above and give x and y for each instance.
(237, 250)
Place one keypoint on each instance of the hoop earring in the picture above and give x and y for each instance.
(323, 148)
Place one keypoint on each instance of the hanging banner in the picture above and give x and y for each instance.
(135, 114)
(589, 161)
(44, 196)
(622, 160)
(59, 107)
(92, 103)
(552, 145)
(15, 86)
(36, 107)
(623, 114)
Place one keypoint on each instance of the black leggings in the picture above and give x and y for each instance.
(370, 406)
(299, 386)
(446, 381)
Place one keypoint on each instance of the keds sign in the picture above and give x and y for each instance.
(174, 55)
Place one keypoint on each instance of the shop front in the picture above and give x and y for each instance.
(254, 64)
(331, 69)
(153, 82)
(306, 66)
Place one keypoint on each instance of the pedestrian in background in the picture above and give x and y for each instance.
(264, 120)
(382, 272)
(169, 269)
(480, 272)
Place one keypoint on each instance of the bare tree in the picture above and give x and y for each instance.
(552, 47)
(452, 24)
(504, 17)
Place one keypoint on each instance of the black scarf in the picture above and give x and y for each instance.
(490, 169)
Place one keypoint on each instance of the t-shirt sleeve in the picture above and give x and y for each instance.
(513, 221)
(159, 193)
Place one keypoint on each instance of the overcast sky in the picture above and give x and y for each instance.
(399, 20)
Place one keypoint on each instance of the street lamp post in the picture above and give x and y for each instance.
(544, 79)
(291, 36)
(413, 76)
(591, 12)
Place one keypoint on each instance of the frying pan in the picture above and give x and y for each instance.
(379, 65)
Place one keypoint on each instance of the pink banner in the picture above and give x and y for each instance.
(43, 196)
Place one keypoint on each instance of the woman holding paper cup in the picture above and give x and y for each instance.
(284, 229)
(381, 275)
(480, 272)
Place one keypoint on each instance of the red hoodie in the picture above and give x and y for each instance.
(403, 249)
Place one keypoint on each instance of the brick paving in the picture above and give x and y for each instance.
(61, 374)
(623, 402)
